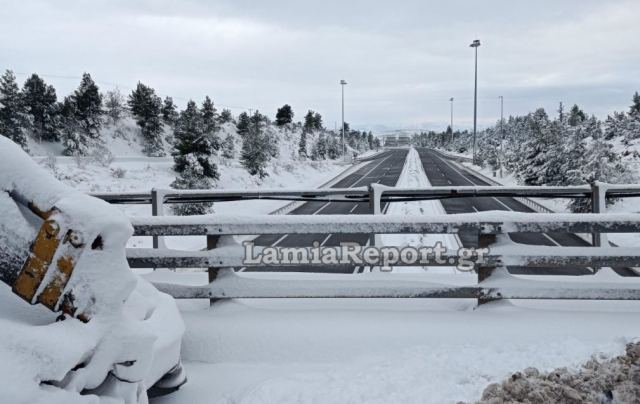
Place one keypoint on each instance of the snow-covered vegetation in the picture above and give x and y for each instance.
(92, 127)
(571, 148)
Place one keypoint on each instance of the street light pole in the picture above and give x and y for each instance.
(475, 44)
(501, 133)
(344, 147)
(451, 126)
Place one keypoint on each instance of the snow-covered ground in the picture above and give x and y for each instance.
(385, 350)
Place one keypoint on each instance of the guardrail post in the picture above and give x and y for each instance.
(484, 272)
(212, 242)
(157, 209)
(598, 205)
(375, 204)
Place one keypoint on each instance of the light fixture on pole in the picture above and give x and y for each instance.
(344, 147)
(475, 44)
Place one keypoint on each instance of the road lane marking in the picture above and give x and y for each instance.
(502, 203)
(325, 240)
(550, 239)
(321, 208)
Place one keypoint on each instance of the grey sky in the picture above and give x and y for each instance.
(402, 59)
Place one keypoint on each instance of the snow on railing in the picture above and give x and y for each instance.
(486, 226)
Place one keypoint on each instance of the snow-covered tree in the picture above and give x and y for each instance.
(225, 117)
(13, 119)
(209, 122)
(169, 112)
(41, 105)
(319, 149)
(309, 122)
(317, 121)
(600, 163)
(88, 107)
(228, 147)
(257, 146)
(192, 158)
(75, 142)
(302, 145)
(146, 107)
(284, 115)
(242, 127)
(576, 115)
(114, 106)
(635, 107)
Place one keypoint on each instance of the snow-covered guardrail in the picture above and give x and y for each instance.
(490, 227)
(375, 195)
(493, 281)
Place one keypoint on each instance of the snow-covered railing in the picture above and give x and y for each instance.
(375, 195)
(493, 281)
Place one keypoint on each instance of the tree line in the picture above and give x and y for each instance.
(192, 136)
(570, 148)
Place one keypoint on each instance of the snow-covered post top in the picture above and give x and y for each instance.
(101, 280)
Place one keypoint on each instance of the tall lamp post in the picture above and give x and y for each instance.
(451, 126)
(344, 147)
(475, 44)
(501, 133)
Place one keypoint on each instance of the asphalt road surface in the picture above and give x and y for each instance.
(443, 172)
(385, 169)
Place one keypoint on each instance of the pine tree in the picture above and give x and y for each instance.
(228, 147)
(88, 107)
(13, 119)
(192, 159)
(114, 106)
(302, 146)
(561, 114)
(169, 112)
(74, 141)
(210, 124)
(309, 122)
(601, 163)
(635, 108)
(242, 127)
(317, 121)
(256, 150)
(576, 116)
(320, 149)
(40, 103)
(531, 167)
(333, 147)
(146, 107)
(225, 117)
(284, 115)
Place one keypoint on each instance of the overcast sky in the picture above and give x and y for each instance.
(403, 60)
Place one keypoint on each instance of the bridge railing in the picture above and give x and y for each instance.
(492, 281)
(223, 256)
(375, 195)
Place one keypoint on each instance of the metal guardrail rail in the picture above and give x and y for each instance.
(489, 226)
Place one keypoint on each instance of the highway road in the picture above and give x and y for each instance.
(385, 169)
(444, 172)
